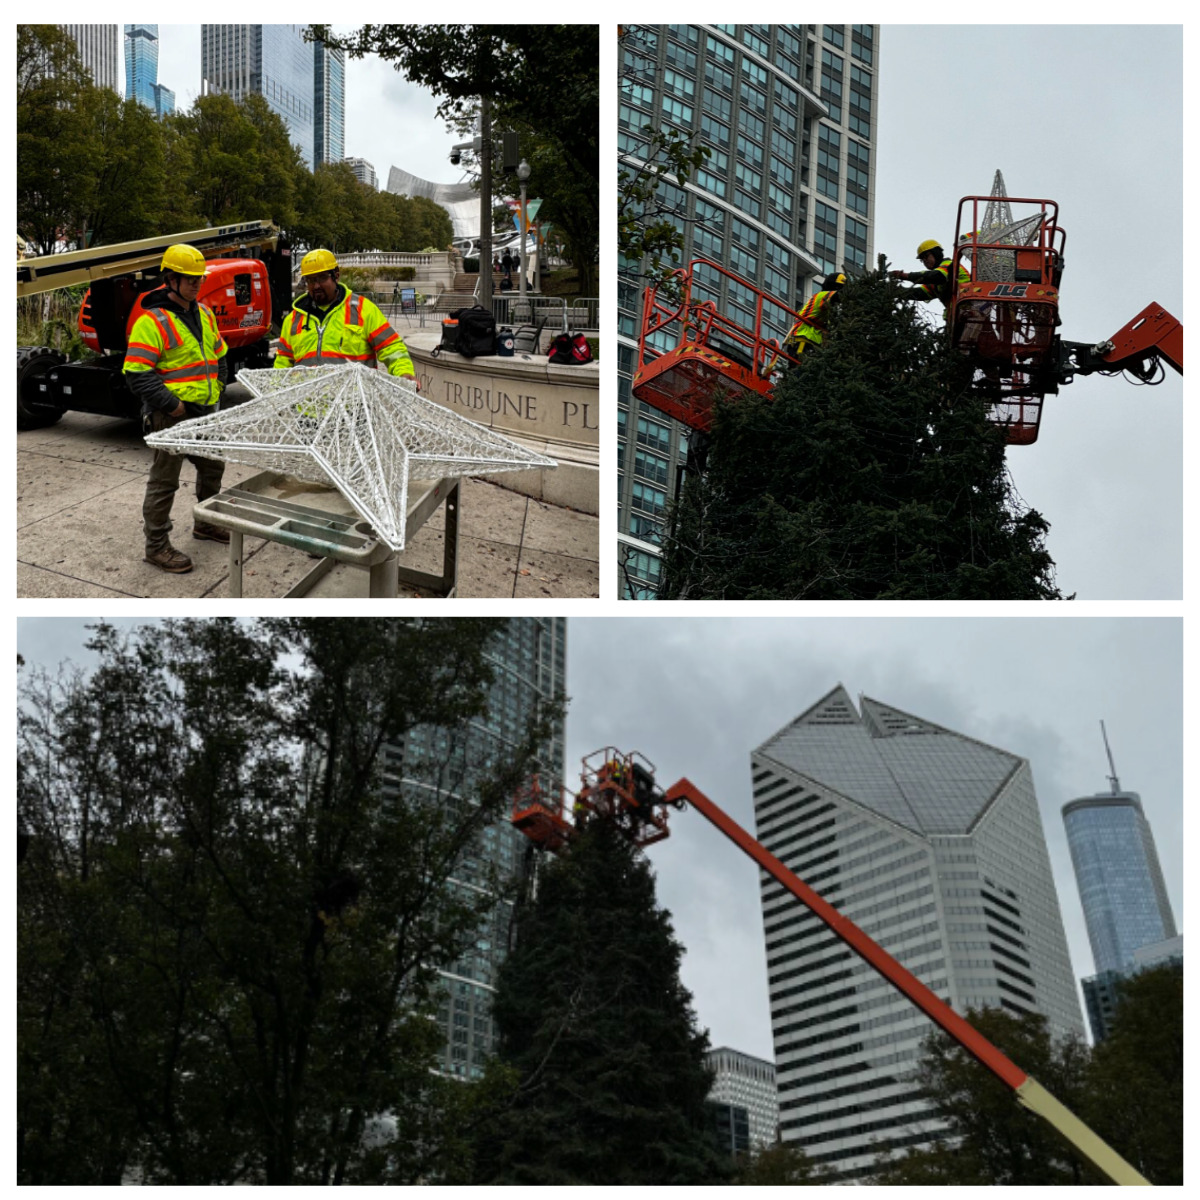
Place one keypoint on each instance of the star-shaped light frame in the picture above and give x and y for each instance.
(366, 432)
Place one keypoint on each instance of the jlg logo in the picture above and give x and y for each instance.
(1011, 289)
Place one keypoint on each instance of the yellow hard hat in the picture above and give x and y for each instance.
(927, 245)
(183, 259)
(316, 261)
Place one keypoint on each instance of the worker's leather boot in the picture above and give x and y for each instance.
(211, 533)
(169, 559)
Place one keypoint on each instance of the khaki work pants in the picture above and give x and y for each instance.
(163, 482)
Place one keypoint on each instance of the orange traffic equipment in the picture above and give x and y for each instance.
(1004, 319)
(689, 352)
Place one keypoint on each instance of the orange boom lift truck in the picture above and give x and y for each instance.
(621, 788)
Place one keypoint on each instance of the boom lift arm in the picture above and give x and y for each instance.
(622, 790)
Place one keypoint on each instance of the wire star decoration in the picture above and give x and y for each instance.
(366, 432)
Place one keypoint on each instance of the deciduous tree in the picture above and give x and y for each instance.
(235, 903)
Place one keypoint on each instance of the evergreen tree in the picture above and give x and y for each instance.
(871, 472)
(600, 1031)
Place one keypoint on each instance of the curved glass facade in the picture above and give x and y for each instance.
(1120, 881)
(786, 196)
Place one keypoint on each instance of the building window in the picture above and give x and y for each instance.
(748, 123)
(718, 78)
(748, 178)
(650, 466)
(757, 38)
(678, 83)
(836, 35)
(645, 528)
(680, 114)
(719, 50)
(688, 34)
(653, 434)
(748, 151)
(753, 99)
(717, 105)
(649, 499)
(716, 132)
(747, 203)
(862, 40)
(677, 56)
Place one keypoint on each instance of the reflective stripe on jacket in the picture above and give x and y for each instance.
(353, 330)
(813, 316)
(936, 283)
(160, 342)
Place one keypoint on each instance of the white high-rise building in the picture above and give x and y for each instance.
(931, 842)
(749, 1083)
(97, 46)
(363, 171)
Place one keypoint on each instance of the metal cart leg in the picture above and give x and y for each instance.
(235, 563)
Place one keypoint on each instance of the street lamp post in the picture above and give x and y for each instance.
(523, 176)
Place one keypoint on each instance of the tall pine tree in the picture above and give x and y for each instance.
(870, 473)
(600, 1031)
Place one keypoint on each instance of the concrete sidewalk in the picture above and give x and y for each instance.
(80, 485)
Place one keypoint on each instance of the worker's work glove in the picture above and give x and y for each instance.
(898, 274)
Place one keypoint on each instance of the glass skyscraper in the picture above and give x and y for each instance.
(530, 661)
(788, 113)
(329, 103)
(273, 60)
(931, 842)
(1120, 881)
(141, 70)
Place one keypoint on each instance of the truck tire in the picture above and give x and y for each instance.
(32, 363)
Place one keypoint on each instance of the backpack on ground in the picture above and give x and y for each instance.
(570, 348)
(476, 331)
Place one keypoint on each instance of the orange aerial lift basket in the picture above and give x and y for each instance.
(1004, 319)
(689, 352)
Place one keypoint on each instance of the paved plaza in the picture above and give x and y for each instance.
(80, 485)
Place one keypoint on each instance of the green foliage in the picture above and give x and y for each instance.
(994, 1140)
(649, 230)
(543, 82)
(869, 473)
(232, 912)
(1136, 1080)
(600, 1032)
(89, 161)
(779, 1165)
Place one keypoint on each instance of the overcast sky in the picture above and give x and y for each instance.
(696, 696)
(389, 121)
(1090, 116)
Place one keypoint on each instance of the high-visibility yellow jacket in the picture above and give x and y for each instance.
(811, 324)
(352, 330)
(936, 283)
(162, 341)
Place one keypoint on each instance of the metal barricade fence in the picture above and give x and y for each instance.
(558, 313)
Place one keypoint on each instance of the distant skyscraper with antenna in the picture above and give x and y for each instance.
(1121, 886)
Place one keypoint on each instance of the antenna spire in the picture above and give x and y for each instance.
(1113, 781)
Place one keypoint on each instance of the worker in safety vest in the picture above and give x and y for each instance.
(810, 328)
(175, 365)
(934, 282)
(331, 325)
